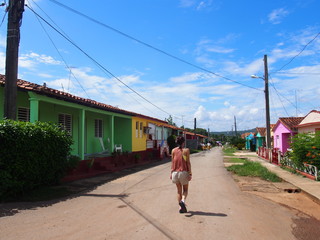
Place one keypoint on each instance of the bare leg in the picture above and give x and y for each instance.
(179, 192)
(185, 192)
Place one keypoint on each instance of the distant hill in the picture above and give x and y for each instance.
(232, 133)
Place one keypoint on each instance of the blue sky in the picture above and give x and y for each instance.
(225, 37)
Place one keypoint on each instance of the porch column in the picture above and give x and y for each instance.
(112, 133)
(34, 109)
(82, 118)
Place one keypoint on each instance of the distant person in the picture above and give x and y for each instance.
(181, 172)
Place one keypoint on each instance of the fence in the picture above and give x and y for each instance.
(276, 157)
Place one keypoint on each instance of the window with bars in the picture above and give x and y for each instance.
(141, 127)
(137, 129)
(65, 120)
(24, 114)
(98, 128)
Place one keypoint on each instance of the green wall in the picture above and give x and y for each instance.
(92, 143)
(123, 133)
(116, 127)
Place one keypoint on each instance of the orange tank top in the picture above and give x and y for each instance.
(179, 164)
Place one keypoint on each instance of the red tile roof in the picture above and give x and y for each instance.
(244, 135)
(290, 122)
(50, 92)
(262, 131)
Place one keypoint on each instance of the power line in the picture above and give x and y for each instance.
(149, 46)
(96, 62)
(70, 68)
(296, 73)
(298, 53)
(54, 45)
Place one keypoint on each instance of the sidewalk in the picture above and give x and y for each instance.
(310, 187)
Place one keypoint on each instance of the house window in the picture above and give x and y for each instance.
(98, 128)
(137, 129)
(24, 114)
(141, 127)
(65, 120)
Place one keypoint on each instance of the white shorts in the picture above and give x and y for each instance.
(180, 177)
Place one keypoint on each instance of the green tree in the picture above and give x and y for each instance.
(306, 149)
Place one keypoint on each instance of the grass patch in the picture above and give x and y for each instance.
(229, 151)
(236, 160)
(254, 169)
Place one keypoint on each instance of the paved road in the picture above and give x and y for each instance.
(143, 206)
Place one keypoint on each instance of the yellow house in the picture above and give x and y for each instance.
(144, 133)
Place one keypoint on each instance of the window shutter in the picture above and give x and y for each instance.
(65, 120)
(98, 128)
(24, 114)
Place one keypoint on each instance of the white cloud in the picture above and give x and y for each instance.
(276, 16)
(40, 58)
(3, 41)
(45, 75)
(187, 3)
(189, 77)
(218, 49)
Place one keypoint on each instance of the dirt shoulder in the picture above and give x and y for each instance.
(283, 193)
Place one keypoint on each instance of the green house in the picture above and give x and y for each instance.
(260, 137)
(95, 127)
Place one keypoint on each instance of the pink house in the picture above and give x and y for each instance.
(311, 122)
(284, 129)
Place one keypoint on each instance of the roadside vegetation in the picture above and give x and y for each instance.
(248, 168)
(254, 169)
(32, 156)
(229, 151)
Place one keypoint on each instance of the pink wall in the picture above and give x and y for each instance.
(281, 138)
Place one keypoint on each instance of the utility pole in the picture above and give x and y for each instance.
(266, 91)
(235, 125)
(15, 11)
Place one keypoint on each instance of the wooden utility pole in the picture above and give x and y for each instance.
(15, 11)
(235, 125)
(266, 91)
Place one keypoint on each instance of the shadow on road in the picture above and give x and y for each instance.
(199, 213)
(104, 195)
(78, 188)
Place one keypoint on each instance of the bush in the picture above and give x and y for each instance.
(240, 146)
(72, 162)
(306, 149)
(31, 155)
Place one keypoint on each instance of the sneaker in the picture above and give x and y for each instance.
(183, 207)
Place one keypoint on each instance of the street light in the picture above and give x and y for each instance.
(266, 92)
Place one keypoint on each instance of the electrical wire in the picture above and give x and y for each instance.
(272, 84)
(70, 68)
(5, 14)
(295, 73)
(96, 62)
(149, 45)
(317, 35)
(54, 45)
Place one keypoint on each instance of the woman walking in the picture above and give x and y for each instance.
(181, 172)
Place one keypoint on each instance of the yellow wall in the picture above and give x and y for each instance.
(139, 141)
